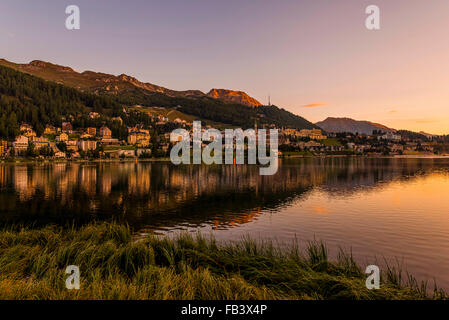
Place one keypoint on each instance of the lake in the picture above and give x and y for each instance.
(383, 209)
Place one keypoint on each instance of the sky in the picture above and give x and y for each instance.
(314, 58)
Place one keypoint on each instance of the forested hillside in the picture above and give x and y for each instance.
(25, 98)
(218, 111)
(129, 91)
(29, 99)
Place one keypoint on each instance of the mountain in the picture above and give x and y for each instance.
(97, 82)
(428, 135)
(406, 134)
(351, 125)
(234, 96)
(127, 91)
(102, 83)
(93, 82)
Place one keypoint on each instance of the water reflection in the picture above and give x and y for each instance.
(164, 196)
(389, 208)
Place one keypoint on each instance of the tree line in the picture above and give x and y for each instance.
(28, 99)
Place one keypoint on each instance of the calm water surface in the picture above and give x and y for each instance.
(393, 209)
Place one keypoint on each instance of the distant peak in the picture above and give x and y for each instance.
(332, 124)
(39, 63)
(233, 96)
(125, 77)
(44, 64)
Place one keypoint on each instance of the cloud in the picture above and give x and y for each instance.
(315, 105)
(393, 111)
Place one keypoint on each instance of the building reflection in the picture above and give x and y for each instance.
(161, 195)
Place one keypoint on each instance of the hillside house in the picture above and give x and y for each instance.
(67, 127)
(86, 145)
(105, 132)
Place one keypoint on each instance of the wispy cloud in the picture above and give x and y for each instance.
(315, 105)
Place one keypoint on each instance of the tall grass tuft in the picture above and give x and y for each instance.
(115, 265)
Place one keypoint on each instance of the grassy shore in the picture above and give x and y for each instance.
(116, 265)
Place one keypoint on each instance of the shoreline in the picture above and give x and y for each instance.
(183, 268)
(128, 160)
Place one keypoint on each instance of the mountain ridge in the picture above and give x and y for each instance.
(98, 82)
(128, 92)
(337, 125)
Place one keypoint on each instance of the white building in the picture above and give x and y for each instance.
(86, 145)
(21, 144)
(390, 136)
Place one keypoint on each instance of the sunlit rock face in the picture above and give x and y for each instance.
(234, 96)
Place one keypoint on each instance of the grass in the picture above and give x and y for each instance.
(331, 142)
(116, 265)
(172, 114)
(293, 154)
(417, 153)
(115, 148)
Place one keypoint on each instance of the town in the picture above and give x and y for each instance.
(152, 140)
